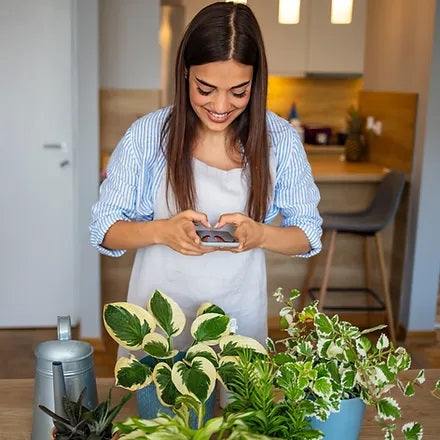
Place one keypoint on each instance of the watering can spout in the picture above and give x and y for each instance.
(59, 387)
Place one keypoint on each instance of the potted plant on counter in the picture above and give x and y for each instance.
(348, 367)
(164, 372)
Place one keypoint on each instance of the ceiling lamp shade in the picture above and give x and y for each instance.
(288, 11)
(341, 11)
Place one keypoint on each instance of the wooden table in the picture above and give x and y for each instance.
(16, 399)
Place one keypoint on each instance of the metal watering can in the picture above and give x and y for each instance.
(63, 367)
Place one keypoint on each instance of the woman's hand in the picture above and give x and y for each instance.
(179, 233)
(248, 232)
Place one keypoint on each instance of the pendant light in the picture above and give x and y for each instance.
(288, 11)
(341, 11)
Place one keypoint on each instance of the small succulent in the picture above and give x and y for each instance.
(81, 423)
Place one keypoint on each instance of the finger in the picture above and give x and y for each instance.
(231, 219)
(196, 216)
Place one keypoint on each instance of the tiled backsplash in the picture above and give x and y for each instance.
(318, 101)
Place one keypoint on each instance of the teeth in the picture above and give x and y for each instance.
(219, 115)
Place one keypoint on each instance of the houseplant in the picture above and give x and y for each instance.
(173, 374)
(347, 364)
(81, 423)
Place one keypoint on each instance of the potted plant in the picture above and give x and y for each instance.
(165, 372)
(81, 423)
(344, 365)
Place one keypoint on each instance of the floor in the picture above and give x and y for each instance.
(17, 346)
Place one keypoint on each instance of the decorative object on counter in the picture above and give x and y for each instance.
(317, 134)
(354, 144)
(78, 422)
(62, 366)
(133, 327)
(293, 118)
(341, 362)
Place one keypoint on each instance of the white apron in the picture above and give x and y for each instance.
(235, 282)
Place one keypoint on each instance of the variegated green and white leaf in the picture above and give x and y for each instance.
(322, 387)
(167, 392)
(156, 345)
(202, 350)
(210, 327)
(348, 379)
(388, 409)
(409, 389)
(420, 377)
(373, 329)
(363, 345)
(383, 342)
(232, 345)
(197, 379)
(324, 325)
(227, 370)
(167, 312)
(208, 307)
(412, 431)
(132, 374)
(128, 324)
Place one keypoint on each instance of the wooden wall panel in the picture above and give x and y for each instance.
(119, 108)
(397, 112)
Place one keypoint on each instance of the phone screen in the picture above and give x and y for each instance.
(216, 238)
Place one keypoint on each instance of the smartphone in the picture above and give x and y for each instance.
(216, 238)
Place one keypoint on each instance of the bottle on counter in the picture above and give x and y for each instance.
(293, 118)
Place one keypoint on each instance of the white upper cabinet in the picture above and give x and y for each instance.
(286, 44)
(336, 48)
(314, 45)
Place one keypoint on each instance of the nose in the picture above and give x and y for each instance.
(221, 103)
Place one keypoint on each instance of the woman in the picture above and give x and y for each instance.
(217, 158)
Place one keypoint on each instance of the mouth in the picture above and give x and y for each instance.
(218, 117)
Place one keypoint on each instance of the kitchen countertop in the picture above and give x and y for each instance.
(16, 400)
(330, 167)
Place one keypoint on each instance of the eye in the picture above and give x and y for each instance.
(203, 92)
(240, 95)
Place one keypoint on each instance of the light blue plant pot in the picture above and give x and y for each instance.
(345, 424)
(148, 403)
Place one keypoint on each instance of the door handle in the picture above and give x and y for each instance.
(64, 163)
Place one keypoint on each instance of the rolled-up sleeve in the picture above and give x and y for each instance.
(296, 194)
(117, 194)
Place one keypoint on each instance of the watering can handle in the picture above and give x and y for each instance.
(64, 328)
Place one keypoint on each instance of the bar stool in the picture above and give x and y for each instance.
(367, 223)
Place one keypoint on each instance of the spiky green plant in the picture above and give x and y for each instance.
(81, 423)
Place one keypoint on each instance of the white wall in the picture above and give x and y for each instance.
(398, 56)
(129, 44)
(86, 172)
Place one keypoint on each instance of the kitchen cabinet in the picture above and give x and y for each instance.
(314, 45)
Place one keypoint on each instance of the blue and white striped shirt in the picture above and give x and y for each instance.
(136, 166)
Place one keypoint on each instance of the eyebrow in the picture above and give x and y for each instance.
(214, 87)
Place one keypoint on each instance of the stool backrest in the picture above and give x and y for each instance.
(388, 196)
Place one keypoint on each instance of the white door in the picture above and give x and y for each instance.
(36, 178)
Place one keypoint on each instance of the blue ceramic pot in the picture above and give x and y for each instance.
(345, 424)
(148, 403)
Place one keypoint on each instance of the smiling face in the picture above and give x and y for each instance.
(219, 92)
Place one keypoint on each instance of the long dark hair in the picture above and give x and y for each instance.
(219, 32)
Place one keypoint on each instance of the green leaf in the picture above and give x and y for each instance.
(210, 327)
(388, 409)
(420, 377)
(363, 345)
(201, 350)
(196, 379)
(409, 390)
(227, 371)
(437, 385)
(294, 293)
(167, 313)
(127, 324)
(132, 374)
(270, 345)
(373, 329)
(412, 431)
(156, 345)
(166, 390)
(348, 379)
(324, 325)
(383, 342)
(322, 387)
(208, 307)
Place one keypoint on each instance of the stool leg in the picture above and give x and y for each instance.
(386, 290)
(367, 262)
(311, 268)
(328, 263)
